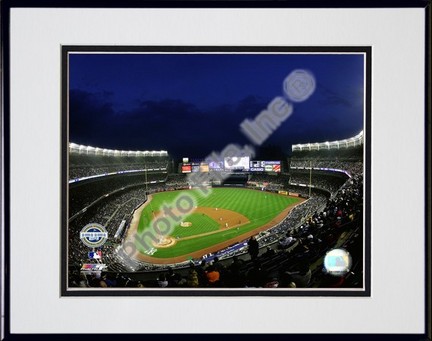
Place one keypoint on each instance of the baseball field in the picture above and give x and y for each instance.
(217, 220)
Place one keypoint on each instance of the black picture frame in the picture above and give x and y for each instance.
(6, 8)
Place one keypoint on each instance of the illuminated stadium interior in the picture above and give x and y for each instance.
(108, 186)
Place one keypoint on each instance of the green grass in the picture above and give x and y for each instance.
(200, 224)
(258, 206)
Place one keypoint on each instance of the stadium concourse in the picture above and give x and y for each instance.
(106, 187)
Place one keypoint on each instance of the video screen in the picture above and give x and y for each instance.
(186, 168)
(240, 163)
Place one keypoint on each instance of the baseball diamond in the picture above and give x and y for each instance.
(227, 216)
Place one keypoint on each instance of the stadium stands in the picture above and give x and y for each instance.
(85, 162)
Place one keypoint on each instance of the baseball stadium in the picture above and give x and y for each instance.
(285, 217)
(305, 205)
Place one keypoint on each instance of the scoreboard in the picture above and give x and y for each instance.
(265, 166)
(243, 164)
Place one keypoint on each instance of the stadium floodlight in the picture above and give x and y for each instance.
(74, 147)
(359, 135)
(345, 143)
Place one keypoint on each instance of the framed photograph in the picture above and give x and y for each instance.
(220, 202)
(240, 155)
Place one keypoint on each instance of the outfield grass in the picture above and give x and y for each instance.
(258, 206)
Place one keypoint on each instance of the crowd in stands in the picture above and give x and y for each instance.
(109, 213)
(270, 182)
(83, 194)
(326, 180)
(347, 159)
(177, 181)
(281, 178)
(320, 179)
(82, 165)
(303, 191)
(299, 213)
(352, 167)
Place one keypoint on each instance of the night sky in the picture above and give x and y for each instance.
(193, 104)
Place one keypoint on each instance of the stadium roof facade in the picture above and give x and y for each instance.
(341, 144)
(89, 150)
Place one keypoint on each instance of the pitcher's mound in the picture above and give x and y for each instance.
(164, 242)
